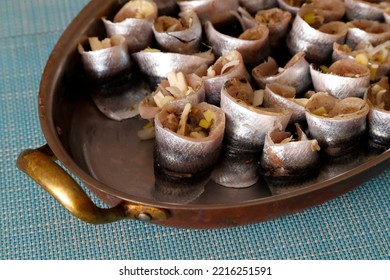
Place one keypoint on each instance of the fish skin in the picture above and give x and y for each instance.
(289, 160)
(252, 51)
(246, 126)
(274, 100)
(379, 118)
(361, 30)
(340, 134)
(105, 64)
(157, 65)
(215, 11)
(213, 85)
(277, 30)
(186, 41)
(303, 37)
(356, 9)
(295, 73)
(338, 85)
(183, 154)
(130, 29)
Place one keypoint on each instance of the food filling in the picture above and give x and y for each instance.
(193, 122)
(170, 24)
(177, 88)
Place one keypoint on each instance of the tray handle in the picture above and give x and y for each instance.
(40, 165)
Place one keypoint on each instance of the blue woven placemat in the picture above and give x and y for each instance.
(34, 226)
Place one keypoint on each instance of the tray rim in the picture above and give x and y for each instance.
(52, 73)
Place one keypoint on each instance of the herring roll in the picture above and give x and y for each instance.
(344, 78)
(246, 122)
(295, 73)
(134, 21)
(378, 97)
(287, 157)
(104, 59)
(176, 91)
(178, 35)
(189, 141)
(337, 124)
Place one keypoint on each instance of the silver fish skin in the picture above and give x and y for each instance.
(236, 170)
(378, 69)
(357, 9)
(106, 63)
(246, 125)
(253, 49)
(186, 41)
(128, 23)
(295, 73)
(215, 11)
(287, 157)
(184, 155)
(156, 65)
(130, 29)
(378, 97)
(304, 37)
(220, 72)
(277, 21)
(283, 96)
(253, 6)
(148, 107)
(339, 130)
(344, 78)
(367, 31)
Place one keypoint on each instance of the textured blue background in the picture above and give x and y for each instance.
(34, 226)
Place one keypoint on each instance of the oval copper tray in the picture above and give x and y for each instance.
(112, 162)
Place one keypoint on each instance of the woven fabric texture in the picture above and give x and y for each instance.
(34, 226)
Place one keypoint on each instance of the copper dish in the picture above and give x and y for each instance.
(107, 157)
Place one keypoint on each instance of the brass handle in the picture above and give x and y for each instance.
(40, 166)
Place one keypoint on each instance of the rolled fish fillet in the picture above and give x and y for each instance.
(253, 43)
(105, 59)
(189, 142)
(156, 65)
(215, 11)
(178, 35)
(177, 90)
(134, 21)
(377, 59)
(337, 124)
(344, 78)
(295, 73)
(282, 96)
(378, 97)
(287, 157)
(363, 30)
(276, 19)
(228, 66)
(310, 34)
(359, 9)
(246, 122)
